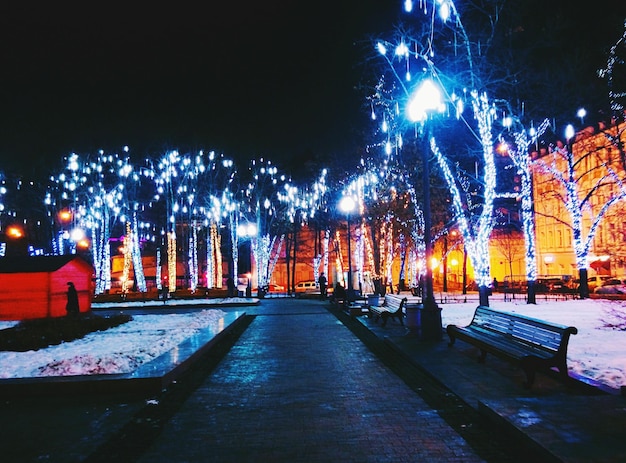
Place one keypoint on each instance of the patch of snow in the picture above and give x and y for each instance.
(117, 350)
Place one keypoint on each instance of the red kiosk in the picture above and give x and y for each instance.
(36, 287)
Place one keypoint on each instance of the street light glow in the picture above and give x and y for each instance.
(65, 215)
(248, 229)
(347, 204)
(77, 234)
(426, 98)
(15, 232)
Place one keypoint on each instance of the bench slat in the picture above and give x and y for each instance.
(546, 338)
(515, 348)
(527, 329)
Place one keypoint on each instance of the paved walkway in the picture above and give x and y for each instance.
(304, 384)
(299, 386)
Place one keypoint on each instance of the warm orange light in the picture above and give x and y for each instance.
(502, 148)
(65, 215)
(14, 232)
(83, 244)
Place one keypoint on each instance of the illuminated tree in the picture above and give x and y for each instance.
(588, 180)
(516, 142)
(615, 75)
(194, 189)
(94, 190)
(260, 204)
(391, 223)
(417, 52)
(307, 204)
(445, 57)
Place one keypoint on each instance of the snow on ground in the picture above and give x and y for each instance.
(597, 352)
(117, 350)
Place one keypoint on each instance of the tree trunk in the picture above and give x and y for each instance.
(290, 283)
(510, 285)
(483, 295)
(445, 263)
(583, 274)
(531, 292)
(295, 251)
(375, 249)
(464, 271)
(401, 277)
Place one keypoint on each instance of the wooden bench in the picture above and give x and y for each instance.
(534, 344)
(347, 300)
(392, 308)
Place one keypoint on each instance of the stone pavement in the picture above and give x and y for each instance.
(575, 421)
(298, 386)
(303, 383)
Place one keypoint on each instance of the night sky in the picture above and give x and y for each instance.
(275, 79)
(248, 78)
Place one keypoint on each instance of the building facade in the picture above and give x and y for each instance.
(595, 173)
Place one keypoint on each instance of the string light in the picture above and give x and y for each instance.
(158, 275)
(560, 165)
(136, 258)
(193, 258)
(126, 250)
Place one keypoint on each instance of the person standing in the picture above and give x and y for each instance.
(230, 284)
(322, 281)
(72, 307)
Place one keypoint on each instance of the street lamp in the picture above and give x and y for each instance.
(425, 100)
(347, 205)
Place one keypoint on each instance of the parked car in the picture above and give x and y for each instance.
(273, 288)
(554, 285)
(306, 287)
(612, 286)
(597, 281)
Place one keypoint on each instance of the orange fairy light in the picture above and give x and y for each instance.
(14, 232)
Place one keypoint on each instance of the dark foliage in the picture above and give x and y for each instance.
(43, 332)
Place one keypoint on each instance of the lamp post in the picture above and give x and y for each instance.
(347, 205)
(425, 100)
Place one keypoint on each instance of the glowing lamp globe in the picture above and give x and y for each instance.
(347, 204)
(426, 98)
